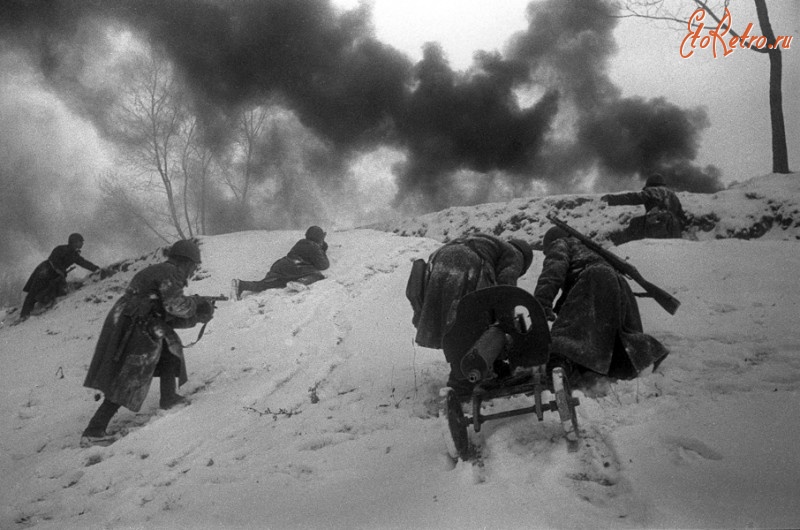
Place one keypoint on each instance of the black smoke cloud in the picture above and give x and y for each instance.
(358, 93)
(543, 111)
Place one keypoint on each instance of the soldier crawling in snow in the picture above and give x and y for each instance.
(664, 217)
(299, 268)
(596, 327)
(49, 279)
(138, 340)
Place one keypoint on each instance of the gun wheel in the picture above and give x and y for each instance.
(566, 405)
(456, 439)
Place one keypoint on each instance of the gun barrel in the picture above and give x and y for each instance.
(478, 362)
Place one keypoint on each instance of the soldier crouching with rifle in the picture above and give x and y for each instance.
(596, 322)
(138, 340)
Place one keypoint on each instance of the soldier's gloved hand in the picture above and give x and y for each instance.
(104, 273)
(606, 198)
(205, 310)
(549, 314)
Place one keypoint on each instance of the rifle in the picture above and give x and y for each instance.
(664, 299)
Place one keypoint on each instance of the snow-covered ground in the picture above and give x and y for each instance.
(315, 409)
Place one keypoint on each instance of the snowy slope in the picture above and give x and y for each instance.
(316, 410)
(766, 206)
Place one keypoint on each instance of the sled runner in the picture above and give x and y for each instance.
(500, 342)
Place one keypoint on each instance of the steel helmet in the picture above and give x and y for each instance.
(185, 249)
(527, 252)
(316, 234)
(554, 234)
(656, 179)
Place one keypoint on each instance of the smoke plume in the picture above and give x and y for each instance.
(541, 114)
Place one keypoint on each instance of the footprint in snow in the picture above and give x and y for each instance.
(685, 450)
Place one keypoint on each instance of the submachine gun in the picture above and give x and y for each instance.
(664, 299)
(213, 301)
(500, 340)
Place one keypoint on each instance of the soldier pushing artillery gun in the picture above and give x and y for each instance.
(496, 336)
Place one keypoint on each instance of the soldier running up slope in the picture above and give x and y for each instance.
(138, 340)
(49, 279)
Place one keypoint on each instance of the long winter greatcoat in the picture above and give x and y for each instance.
(137, 331)
(664, 216)
(306, 258)
(456, 269)
(598, 324)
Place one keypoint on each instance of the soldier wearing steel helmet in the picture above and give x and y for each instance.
(301, 267)
(49, 279)
(138, 340)
(664, 217)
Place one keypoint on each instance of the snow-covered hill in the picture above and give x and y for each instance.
(316, 410)
(763, 207)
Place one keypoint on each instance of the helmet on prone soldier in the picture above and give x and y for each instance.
(526, 250)
(316, 234)
(186, 250)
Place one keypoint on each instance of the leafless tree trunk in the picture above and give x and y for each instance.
(250, 130)
(196, 161)
(656, 10)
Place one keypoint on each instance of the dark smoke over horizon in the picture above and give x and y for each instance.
(544, 112)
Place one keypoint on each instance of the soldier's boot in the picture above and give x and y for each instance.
(169, 394)
(95, 433)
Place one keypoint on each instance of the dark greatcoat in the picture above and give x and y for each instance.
(456, 269)
(305, 258)
(664, 217)
(49, 278)
(598, 324)
(138, 329)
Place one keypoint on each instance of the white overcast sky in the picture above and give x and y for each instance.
(733, 89)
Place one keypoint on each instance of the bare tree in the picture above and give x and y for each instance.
(659, 10)
(120, 198)
(195, 163)
(148, 123)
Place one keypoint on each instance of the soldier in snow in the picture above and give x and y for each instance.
(138, 340)
(49, 279)
(456, 269)
(301, 266)
(664, 217)
(596, 322)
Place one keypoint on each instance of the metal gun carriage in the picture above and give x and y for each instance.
(500, 341)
